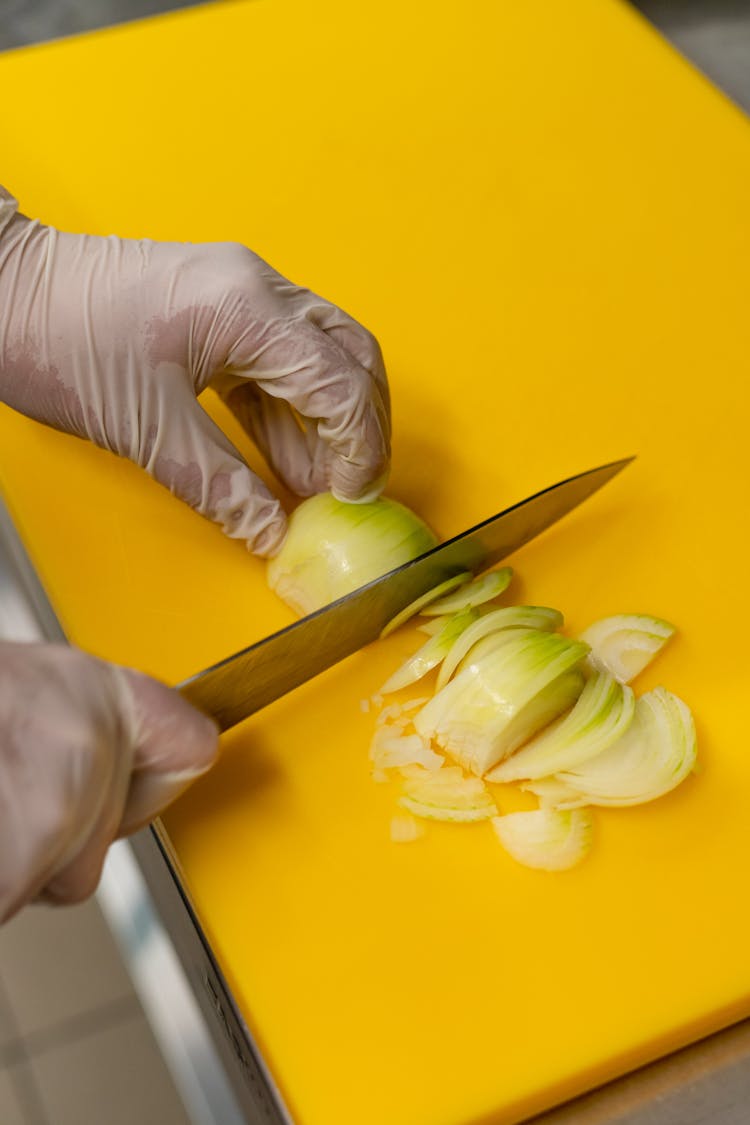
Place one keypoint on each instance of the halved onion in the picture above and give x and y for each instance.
(332, 548)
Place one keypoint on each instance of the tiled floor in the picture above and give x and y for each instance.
(75, 1047)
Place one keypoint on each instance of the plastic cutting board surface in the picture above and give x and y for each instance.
(542, 212)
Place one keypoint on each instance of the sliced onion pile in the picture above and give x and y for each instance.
(515, 701)
(512, 700)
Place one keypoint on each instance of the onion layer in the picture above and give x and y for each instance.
(545, 839)
(333, 548)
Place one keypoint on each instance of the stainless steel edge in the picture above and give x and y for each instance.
(209, 1042)
(254, 1088)
(255, 677)
(160, 981)
(25, 610)
(211, 1054)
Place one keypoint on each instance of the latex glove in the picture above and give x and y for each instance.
(112, 340)
(88, 752)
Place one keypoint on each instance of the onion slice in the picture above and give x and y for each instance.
(431, 653)
(389, 750)
(655, 754)
(602, 714)
(478, 592)
(433, 626)
(447, 795)
(509, 617)
(419, 603)
(554, 794)
(510, 685)
(405, 828)
(625, 643)
(544, 838)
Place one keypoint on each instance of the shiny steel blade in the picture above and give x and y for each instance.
(253, 678)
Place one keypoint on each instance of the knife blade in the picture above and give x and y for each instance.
(242, 684)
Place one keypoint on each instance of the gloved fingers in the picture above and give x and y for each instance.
(321, 380)
(290, 446)
(78, 881)
(56, 833)
(77, 877)
(65, 760)
(361, 344)
(189, 455)
(173, 745)
(143, 796)
(355, 339)
(167, 745)
(78, 868)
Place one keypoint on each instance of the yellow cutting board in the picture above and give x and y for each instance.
(542, 212)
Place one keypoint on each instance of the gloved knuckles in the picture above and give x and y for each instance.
(87, 751)
(113, 340)
(65, 752)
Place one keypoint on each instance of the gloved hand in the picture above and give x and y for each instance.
(88, 751)
(113, 340)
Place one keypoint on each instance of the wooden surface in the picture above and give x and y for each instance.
(542, 212)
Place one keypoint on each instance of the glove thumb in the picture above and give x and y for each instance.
(174, 744)
(188, 453)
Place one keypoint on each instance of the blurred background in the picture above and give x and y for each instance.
(715, 34)
(29, 21)
(76, 1047)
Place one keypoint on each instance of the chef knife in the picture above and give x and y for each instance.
(244, 683)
